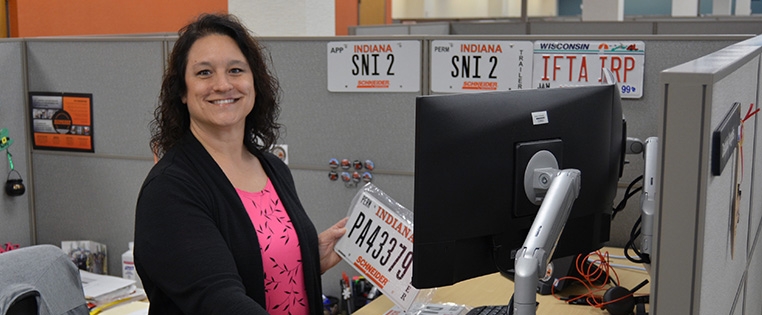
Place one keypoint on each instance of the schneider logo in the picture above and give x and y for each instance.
(564, 46)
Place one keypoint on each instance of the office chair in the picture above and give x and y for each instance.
(25, 304)
(40, 280)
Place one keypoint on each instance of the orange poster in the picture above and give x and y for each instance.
(62, 121)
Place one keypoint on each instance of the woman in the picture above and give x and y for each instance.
(219, 228)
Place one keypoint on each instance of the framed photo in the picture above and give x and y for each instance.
(62, 121)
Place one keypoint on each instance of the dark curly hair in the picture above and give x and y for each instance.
(171, 117)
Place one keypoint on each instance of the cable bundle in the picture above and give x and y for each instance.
(596, 273)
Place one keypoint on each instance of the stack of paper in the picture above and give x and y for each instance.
(132, 308)
(104, 291)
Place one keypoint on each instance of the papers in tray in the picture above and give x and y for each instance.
(101, 289)
(132, 308)
(133, 301)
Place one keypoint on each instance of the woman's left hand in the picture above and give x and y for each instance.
(326, 241)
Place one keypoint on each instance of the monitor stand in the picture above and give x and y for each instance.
(648, 199)
(533, 257)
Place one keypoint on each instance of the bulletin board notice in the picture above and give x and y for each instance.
(62, 121)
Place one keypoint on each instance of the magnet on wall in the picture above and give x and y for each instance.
(333, 163)
(357, 164)
(369, 165)
(332, 175)
(367, 177)
(346, 164)
(281, 151)
(356, 177)
(345, 176)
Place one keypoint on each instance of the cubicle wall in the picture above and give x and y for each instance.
(92, 195)
(708, 222)
(16, 224)
(560, 26)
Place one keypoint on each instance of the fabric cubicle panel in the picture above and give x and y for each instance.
(642, 115)
(14, 211)
(701, 265)
(740, 86)
(92, 196)
(753, 283)
(748, 25)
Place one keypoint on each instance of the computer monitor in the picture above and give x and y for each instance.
(471, 153)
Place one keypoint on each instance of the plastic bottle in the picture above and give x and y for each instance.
(128, 266)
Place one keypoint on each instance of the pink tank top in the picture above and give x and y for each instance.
(281, 257)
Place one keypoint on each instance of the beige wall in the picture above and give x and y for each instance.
(287, 17)
(372, 12)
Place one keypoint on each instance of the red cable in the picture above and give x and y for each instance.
(596, 269)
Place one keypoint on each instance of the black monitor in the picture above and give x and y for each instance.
(471, 152)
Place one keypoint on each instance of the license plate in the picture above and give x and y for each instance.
(572, 63)
(379, 245)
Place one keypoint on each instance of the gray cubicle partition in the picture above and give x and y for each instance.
(16, 226)
(707, 257)
(566, 26)
(651, 26)
(613, 27)
(730, 26)
(490, 28)
(92, 195)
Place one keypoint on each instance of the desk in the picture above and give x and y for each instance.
(494, 289)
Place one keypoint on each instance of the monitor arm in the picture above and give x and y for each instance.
(648, 199)
(533, 257)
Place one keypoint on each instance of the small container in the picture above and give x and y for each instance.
(128, 266)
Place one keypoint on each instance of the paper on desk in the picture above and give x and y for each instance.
(97, 286)
(132, 308)
(430, 309)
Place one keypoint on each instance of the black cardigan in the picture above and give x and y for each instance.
(196, 250)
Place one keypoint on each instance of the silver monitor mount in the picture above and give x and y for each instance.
(555, 190)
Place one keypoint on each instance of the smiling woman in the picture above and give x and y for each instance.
(217, 201)
(220, 87)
